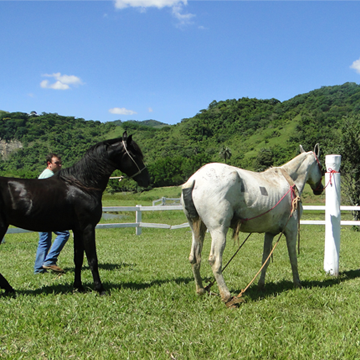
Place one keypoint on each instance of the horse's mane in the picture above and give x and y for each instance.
(93, 165)
(274, 167)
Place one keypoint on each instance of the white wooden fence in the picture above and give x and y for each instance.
(167, 201)
(139, 224)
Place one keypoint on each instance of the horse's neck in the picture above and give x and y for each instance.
(91, 174)
(298, 169)
(101, 178)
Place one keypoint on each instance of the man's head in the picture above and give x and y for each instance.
(53, 162)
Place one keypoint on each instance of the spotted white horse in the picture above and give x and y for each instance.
(218, 197)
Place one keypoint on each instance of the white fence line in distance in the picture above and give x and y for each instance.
(138, 224)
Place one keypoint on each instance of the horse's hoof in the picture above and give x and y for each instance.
(103, 293)
(79, 289)
(225, 297)
(201, 291)
(10, 292)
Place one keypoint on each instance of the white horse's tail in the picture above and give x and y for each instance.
(190, 210)
(188, 201)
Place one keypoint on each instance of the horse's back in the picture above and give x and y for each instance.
(222, 193)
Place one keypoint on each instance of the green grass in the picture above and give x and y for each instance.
(152, 311)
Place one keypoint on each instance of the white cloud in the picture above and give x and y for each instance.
(176, 5)
(150, 109)
(122, 4)
(62, 82)
(122, 111)
(184, 19)
(356, 66)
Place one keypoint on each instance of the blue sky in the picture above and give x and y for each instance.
(168, 59)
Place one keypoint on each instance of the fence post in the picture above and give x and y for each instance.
(138, 219)
(332, 215)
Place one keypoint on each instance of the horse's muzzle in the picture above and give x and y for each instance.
(143, 179)
(319, 189)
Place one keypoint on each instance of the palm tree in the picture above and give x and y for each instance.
(225, 153)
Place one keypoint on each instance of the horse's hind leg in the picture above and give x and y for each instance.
(198, 233)
(268, 239)
(218, 243)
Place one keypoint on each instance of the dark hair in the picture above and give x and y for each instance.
(50, 156)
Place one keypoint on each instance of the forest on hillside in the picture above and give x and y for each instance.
(256, 133)
(248, 133)
(43, 134)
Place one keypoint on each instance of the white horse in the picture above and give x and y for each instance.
(219, 196)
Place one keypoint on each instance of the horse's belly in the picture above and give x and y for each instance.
(41, 220)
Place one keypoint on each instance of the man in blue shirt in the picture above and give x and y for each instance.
(45, 259)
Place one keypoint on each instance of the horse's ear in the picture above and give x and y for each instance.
(129, 140)
(124, 137)
(317, 150)
(302, 149)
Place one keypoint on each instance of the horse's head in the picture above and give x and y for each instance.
(128, 158)
(315, 173)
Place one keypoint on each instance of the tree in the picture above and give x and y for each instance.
(264, 159)
(225, 153)
(350, 160)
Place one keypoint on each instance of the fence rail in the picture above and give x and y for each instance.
(138, 224)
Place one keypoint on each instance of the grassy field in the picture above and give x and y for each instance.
(151, 310)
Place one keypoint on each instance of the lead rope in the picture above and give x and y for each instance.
(295, 199)
(294, 206)
(331, 172)
(208, 286)
(293, 191)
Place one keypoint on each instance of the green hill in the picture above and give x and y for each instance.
(259, 133)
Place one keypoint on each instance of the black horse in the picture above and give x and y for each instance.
(71, 199)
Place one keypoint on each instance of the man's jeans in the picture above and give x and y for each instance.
(43, 256)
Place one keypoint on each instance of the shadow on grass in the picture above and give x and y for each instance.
(105, 267)
(274, 289)
(271, 289)
(89, 287)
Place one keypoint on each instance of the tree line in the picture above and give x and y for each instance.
(250, 133)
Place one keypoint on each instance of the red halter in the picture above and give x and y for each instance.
(318, 188)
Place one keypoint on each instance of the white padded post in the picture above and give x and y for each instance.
(332, 214)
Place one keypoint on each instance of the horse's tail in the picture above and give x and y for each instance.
(187, 200)
(189, 206)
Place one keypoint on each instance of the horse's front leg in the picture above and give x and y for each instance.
(3, 282)
(6, 286)
(198, 233)
(268, 239)
(90, 250)
(218, 243)
(78, 259)
(291, 236)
